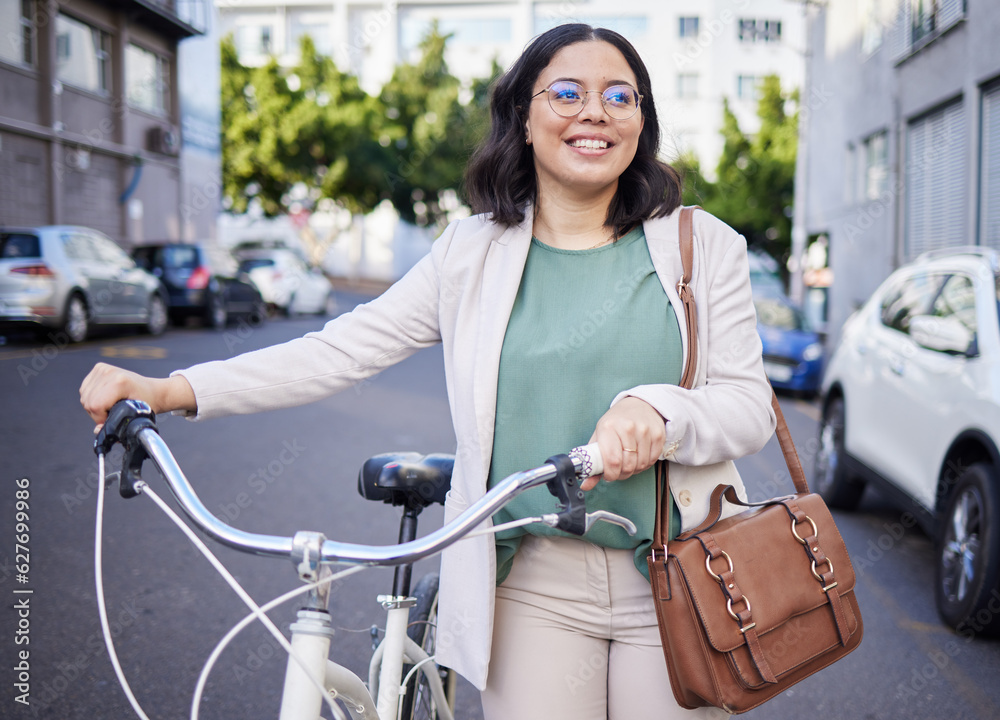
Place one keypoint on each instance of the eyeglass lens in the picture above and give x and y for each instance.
(568, 98)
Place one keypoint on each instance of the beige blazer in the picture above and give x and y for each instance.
(461, 295)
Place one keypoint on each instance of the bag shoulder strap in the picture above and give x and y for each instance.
(661, 530)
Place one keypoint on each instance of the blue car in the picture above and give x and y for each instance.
(793, 353)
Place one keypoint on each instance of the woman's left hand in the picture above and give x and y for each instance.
(631, 436)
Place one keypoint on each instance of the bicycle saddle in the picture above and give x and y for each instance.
(406, 478)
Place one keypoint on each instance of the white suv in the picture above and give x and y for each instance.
(287, 284)
(911, 401)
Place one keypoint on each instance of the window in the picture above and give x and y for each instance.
(83, 55)
(936, 190)
(957, 300)
(850, 174)
(747, 87)
(79, 247)
(475, 32)
(317, 28)
(922, 19)
(938, 311)
(919, 22)
(876, 165)
(688, 27)
(109, 253)
(254, 40)
(631, 26)
(753, 30)
(147, 80)
(914, 296)
(871, 33)
(19, 245)
(687, 85)
(17, 46)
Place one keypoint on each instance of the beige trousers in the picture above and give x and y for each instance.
(575, 638)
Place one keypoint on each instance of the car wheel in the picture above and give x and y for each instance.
(156, 320)
(968, 557)
(216, 316)
(77, 323)
(833, 481)
(329, 306)
(259, 314)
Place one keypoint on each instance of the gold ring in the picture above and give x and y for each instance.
(630, 450)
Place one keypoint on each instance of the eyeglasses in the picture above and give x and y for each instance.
(568, 98)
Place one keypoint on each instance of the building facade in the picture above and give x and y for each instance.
(902, 143)
(698, 51)
(91, 118)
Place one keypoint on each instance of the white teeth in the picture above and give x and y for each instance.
(592, 144)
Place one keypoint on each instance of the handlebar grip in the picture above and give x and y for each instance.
(591, 459)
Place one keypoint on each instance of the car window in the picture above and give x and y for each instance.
(19, 245)
(773, 312)
(145, 257)
(220, 260)
(913, 296)
(108, 252)
(957, 299)
(78, 247)
(180, 256)
(254, 263)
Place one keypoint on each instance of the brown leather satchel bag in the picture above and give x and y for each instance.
(751, 604)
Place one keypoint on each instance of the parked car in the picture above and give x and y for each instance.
(67, 278)
(911, 401)
(288, 285)
(202, 282)
(793, 352)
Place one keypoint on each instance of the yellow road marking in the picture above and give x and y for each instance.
(134, 352)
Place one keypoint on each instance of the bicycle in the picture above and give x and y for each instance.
(404, 679)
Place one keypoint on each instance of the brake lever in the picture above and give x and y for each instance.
(591, 519)
(125, 420)
(595, 517)
(569, 497)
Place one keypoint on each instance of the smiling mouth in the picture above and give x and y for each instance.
(591, 144)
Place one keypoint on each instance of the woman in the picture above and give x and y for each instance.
(557, 310)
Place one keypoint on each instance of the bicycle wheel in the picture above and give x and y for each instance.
(418, 704)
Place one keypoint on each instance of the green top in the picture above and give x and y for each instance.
(586, 324)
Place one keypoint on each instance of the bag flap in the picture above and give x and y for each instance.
(770, 566)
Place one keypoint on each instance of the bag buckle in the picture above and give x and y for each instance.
(718, 578)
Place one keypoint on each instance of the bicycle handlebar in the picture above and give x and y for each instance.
(132, 424)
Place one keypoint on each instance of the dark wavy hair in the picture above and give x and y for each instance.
(500, 178)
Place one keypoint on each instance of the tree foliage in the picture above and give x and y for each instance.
(297, 136)
(755, 178)
(300, 135)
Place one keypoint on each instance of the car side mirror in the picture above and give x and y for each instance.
(943, 334)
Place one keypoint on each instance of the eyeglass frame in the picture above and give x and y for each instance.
(586, 93)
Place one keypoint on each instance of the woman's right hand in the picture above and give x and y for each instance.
(106, 384)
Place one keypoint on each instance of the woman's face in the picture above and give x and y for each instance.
(589, 151)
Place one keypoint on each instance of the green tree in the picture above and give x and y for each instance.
(430, 131)
(755, 184)
(303, 136)
(298, 136)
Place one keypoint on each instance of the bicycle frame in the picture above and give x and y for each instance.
(310, 677)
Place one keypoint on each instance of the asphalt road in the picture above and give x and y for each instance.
(296, 469)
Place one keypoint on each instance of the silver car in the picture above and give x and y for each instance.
(66, 279)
